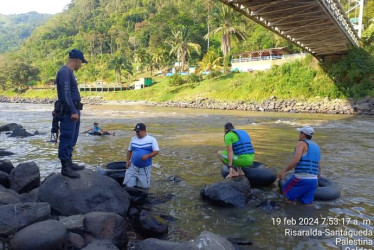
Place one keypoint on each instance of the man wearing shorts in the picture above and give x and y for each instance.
(239, 153)
(306, 161)
(141, 150)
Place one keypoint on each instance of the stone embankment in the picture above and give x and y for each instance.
(87, 100)
(336, 106)
(363, 106)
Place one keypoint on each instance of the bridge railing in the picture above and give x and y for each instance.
(335, 10)
(251, 59)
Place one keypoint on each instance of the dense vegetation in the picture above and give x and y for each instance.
(14, 29)
(123, 40)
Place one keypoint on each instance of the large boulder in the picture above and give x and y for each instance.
(106, 226)
(25, 177)
(46, 235)
(16, 216)
(205, 241)
(232, 193)
(92, 192)
(6, 166)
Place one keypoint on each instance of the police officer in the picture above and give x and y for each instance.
(69, 107)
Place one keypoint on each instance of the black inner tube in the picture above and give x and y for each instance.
(258, 174)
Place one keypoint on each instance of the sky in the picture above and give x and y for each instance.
(41, 6)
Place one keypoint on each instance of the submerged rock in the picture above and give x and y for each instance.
(19, 131)
(9, 127)
(5, 153)
(205, 241)
(151, 225)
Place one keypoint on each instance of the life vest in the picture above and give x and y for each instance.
(96, 129)
(244, 145)
(309, 163)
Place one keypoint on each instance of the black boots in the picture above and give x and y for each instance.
(76, 167)
(67, 169)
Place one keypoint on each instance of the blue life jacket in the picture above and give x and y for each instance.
(244, 145)
(309, 163)
(96, 129)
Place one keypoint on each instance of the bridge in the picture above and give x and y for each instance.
(320, 27)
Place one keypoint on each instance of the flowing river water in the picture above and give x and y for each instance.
(189, 140)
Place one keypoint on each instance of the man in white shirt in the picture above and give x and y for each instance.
(139, 156)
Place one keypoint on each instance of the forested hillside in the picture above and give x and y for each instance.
(125, 39)
(149, 34)
(14, 29)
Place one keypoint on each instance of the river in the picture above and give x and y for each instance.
(189, 140)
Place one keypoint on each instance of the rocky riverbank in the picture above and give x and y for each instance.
(363, 106)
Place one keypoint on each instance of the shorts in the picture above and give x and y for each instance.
(138, 177)
(302, 190)
(239, 161)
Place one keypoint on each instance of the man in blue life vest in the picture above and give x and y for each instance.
(139, 156)
(306, 161)
(68, 109)
(239, 153)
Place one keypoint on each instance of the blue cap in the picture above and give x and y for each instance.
(75, 53)
(139, 127)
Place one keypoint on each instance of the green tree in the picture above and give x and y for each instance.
(228, 22)
(20, 73)
(180, 46)
(211, 61)
(120, 64)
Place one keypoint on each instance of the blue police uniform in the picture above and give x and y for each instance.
(68, 95)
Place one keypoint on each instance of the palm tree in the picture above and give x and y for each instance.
(180, 46)
(211, 61)
(228, 21)
(159, 57)
(119, 63)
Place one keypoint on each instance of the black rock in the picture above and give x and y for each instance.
(25, 177)
(92, 192)
(46, 235)
(151, 225)
(16, 216)
(232, 193)
(5, 165)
